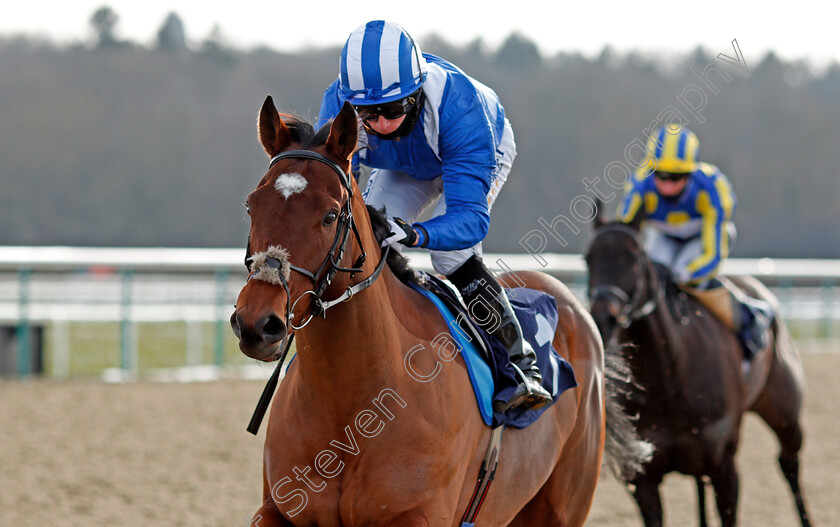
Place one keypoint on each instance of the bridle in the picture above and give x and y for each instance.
(330, 266)
(631, 309)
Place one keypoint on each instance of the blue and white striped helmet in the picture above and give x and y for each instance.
(380, 63)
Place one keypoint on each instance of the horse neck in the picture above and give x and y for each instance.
(660, 357)
(358, 346)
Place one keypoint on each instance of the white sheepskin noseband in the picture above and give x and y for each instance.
(271, 265)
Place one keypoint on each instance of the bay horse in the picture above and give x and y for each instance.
(354, 437)
(691, 391)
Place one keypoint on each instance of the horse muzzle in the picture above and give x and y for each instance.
(261, 338)
(605, 313)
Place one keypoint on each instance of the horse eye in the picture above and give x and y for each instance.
(330, 217)
(247, 208)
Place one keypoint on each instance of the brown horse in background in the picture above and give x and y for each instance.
(692, 392)
(374, 423)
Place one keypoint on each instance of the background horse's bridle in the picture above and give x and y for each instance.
(331, 263)
(630, 308)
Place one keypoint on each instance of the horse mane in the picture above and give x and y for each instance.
(397, 262)
(304, 133)
(665, 277)
(675, 297)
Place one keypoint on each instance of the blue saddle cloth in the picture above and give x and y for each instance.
(494, 378)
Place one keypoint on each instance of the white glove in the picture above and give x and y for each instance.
(397, 234)
(681, 276)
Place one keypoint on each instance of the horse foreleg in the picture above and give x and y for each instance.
(725, 483)
(645, 490)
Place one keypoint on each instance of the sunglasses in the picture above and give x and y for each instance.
(670, 176)
(388, 110)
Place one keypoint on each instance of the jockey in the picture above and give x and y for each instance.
(689, 208)
(431, 131)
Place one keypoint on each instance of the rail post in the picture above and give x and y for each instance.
(24, 329)
(221, 317)
(127, 362)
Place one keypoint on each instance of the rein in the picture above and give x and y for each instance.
(333, 259)
(331, 264)
(319, 307)
(630, 308)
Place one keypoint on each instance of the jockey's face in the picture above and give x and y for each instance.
(385, 126)
(386, 118)
(670, 185)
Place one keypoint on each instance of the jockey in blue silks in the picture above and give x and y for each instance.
(431, 131)
(688, 207)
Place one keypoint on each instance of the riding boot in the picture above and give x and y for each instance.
(756, 318)
(529, 393)
(489, 306)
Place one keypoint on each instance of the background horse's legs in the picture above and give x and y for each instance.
(701, 499)
(789, 461)
(780, 405)
(725, 483)
(645, 489)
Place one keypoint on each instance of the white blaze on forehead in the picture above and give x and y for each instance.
(288, 184)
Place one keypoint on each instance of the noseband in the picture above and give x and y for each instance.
(630, 308)
(331, 263)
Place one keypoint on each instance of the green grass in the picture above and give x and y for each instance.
(814, 329)
(96, 346)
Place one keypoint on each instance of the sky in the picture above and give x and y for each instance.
(807, 31)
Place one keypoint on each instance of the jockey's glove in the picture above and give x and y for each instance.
(401, 232)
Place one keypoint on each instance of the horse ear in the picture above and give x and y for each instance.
(344, 133)
(274, 136)
(599, 213)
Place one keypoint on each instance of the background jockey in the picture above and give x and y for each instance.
(689, 207)
(431, 131)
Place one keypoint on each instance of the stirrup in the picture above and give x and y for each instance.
(529, 395)
(755, 334)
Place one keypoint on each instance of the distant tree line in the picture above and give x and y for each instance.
(112, 143)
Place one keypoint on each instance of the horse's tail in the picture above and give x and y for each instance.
(626, 452)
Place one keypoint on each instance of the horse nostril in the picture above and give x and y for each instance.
(234, 324)
(272, 329)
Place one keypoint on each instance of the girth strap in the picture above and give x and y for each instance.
(485, 477)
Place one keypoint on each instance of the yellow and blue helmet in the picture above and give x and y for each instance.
(672, 148)
(380, 63)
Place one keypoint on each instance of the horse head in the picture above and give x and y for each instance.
(619, 276)
(303, 244)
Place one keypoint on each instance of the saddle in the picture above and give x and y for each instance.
(750, 319)
(487, 358)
